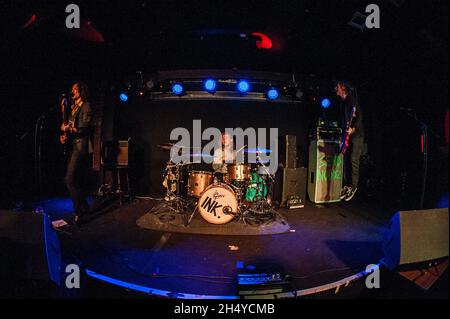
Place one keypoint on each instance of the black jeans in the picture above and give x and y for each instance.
(351, 161)
(75, 180)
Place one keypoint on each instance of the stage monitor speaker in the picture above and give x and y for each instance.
(325, 171)
(416, 236)
(293, 184)
(288, 151)
(29, 246)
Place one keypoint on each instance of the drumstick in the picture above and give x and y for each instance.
(241, 148)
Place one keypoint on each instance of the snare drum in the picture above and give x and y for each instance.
(218, 204)
(239, 172)
(198, 182)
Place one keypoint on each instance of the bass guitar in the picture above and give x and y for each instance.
(346, 138)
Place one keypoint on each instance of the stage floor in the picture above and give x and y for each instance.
(325, 244)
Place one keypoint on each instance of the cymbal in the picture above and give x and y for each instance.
(168, 146)
(200, 155)
(165, 146)
(257, 150)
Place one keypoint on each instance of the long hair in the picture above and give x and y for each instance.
(348, 88)
(84, 91)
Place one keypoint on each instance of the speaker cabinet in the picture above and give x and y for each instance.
(325, 171)
(288, 151)
(416, 236)
(290, 182)
(30, 248)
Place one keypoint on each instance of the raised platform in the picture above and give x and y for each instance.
(326, 247)
(163, 217)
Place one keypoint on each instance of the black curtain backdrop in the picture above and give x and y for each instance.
(150, 123)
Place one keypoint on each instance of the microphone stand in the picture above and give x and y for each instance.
(39, 125)
(424, 130)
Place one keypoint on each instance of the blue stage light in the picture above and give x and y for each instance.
(325, 103)
(177, 89)
(243, 86)
(272, 94)
(210, 85)
(123, 97)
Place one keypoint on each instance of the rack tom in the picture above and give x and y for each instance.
(198, 181)
(238, 172)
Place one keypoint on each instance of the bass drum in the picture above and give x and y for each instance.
(218, 204)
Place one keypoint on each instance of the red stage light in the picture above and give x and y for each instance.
(264, 43)
(88, 32)
(30, 21)
(422, 143)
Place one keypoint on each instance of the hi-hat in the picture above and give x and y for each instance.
(169, 146)
(165, 146)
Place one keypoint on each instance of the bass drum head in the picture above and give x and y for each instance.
(218, 204)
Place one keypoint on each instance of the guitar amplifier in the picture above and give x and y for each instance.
(329, 133)
(116, 153)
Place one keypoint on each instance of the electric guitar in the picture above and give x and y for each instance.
(346, 138)
(65, 109)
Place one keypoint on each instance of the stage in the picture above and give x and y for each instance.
(327, 247)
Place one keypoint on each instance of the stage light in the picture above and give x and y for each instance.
(264, 43)
(210, 85)
(243, 86)
(149, 84)
(325, 103)
(273, 94)
(123, 97)
(177, 89)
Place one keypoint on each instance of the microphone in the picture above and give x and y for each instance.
(63, 97)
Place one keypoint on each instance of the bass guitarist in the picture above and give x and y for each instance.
(353, 140)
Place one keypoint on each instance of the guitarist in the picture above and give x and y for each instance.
(77, 133)
(353, 129)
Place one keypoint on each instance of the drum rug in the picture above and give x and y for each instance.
(168, 219)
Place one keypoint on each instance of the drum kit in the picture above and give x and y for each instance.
(222, 196)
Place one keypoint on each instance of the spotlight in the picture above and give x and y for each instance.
(325, 103)
(243, 86)
(210, 85)
(123, 97)
(273, 94)
(177, 89)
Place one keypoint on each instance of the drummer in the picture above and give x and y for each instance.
(225, 155)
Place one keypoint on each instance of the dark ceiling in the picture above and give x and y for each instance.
(309, 36)
(408, 55)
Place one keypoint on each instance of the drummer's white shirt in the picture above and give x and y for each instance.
(220, 162)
